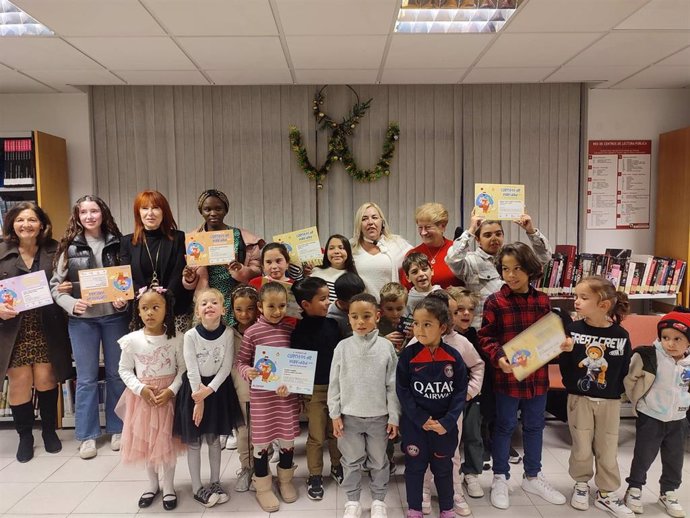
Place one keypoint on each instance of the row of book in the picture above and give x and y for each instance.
(69, 389)
(5, 410)
(631, 274)
(17, 162)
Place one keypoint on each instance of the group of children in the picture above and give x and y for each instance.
(411, 367)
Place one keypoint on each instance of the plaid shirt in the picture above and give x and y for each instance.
(507, 314)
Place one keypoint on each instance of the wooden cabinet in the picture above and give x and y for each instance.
(672, 236)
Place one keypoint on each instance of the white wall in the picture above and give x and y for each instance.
(62, 115)
(624, 115)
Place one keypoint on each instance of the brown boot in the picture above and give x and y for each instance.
(264, 493)
(287, 489)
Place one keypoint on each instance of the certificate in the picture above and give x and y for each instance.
(535, 346)
(101, 285)
(208, 248)
(499, 201)
(303, 246)
(26, 291)
(278, 366)
(293, 309)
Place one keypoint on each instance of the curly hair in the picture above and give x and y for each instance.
(169, 322)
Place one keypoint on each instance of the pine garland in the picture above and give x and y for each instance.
(338, 146)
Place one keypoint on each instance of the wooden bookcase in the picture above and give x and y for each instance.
(672, 236)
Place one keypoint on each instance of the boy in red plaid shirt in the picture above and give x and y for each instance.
(508, 312)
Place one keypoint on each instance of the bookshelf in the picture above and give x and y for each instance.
(45, 160)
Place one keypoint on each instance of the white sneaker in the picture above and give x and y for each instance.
(459, 503)
(500, 493)
(352, 509)
(539, 486)
(472, 484)
(87, 450)
(612, 503)
(426, 500)
(231, 442)
(580, 498)
(669, 501)
(633, 500)
(115, 441)
(378, 509)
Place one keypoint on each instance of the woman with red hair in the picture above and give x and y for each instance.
(156, 250)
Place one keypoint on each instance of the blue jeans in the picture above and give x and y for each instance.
(86, 335)
(532, 432)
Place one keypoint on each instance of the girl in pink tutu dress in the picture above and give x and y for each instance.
(151, 365)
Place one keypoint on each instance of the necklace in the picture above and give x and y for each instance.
(154, 265)
(432, 260)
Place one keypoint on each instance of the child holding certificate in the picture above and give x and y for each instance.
(593, 377)
(206, 406)
(507, 313)
(275, 415)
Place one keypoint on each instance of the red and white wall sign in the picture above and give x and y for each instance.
(618, 184)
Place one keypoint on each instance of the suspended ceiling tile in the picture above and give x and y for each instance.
(535, 50)
(43, 53)
(422, 75)
(681, 58)
(135, 53)
(571, 16)
(507, 75)
(660, 14)
(622, 48)
(162, 77)
(341, 77)
(251, 76)
(435, 50)
(92, 18)
(336, 52)
(61, 78)
(570, 74)
(12, 82)
(236, 52)
(329, 17)
(215, 17)
(659, 77)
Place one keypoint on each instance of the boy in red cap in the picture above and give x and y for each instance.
(657, 385)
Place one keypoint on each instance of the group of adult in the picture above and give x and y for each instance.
(38, 347)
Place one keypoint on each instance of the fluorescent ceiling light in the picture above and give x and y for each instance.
(15, 22)
(454, 16)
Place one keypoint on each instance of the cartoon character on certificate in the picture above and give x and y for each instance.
(266, 368)
(484, 201)
(520, 358)
(122, 282)
(8, 297)
(194, 249)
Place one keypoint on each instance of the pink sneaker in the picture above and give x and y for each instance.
(411, 513)
(447, 514)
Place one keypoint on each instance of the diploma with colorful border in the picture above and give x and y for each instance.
(499, 201)
(100, 285)
(303, 246)
(535, 346)
(25, 292)
(209, 248)
(278, 366)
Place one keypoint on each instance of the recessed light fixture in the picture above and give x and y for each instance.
(15, 22)
(454, 16)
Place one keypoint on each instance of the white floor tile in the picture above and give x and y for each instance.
(11, 493)
(77, 469)
(36, 470)
(56, 497)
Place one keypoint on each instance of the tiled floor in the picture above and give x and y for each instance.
(64, 485)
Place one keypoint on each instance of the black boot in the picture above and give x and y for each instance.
(47, 405)
(23, 416)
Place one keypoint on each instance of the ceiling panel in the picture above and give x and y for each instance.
(681, 58)
(12, 82)
(162, 77)
(569, 74)
(250, 77)
(570, 16)
(215, 17)
(328, 17)
(535, 50)
(43, 53)
(422, 75)
(335, 52)
(61, 78)
(93, 18)
(235, 52)
(507, 75)
(435, 50)
(342, 77)
(659, 77)
(660, 14)
(622, 48)
(135, 53)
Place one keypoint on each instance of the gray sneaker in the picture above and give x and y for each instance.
(218, 489)
(244, 478)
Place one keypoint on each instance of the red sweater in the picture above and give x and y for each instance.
(443, 276)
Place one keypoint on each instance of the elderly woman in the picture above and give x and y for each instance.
(34, 346)
(432, 219)
(377, 252)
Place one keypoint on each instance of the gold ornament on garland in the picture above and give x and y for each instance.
(338, 146)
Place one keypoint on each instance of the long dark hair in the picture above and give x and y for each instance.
(10, 236)
(75, 228)
(349, 262)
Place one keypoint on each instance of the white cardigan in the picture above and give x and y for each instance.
(377, 270)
